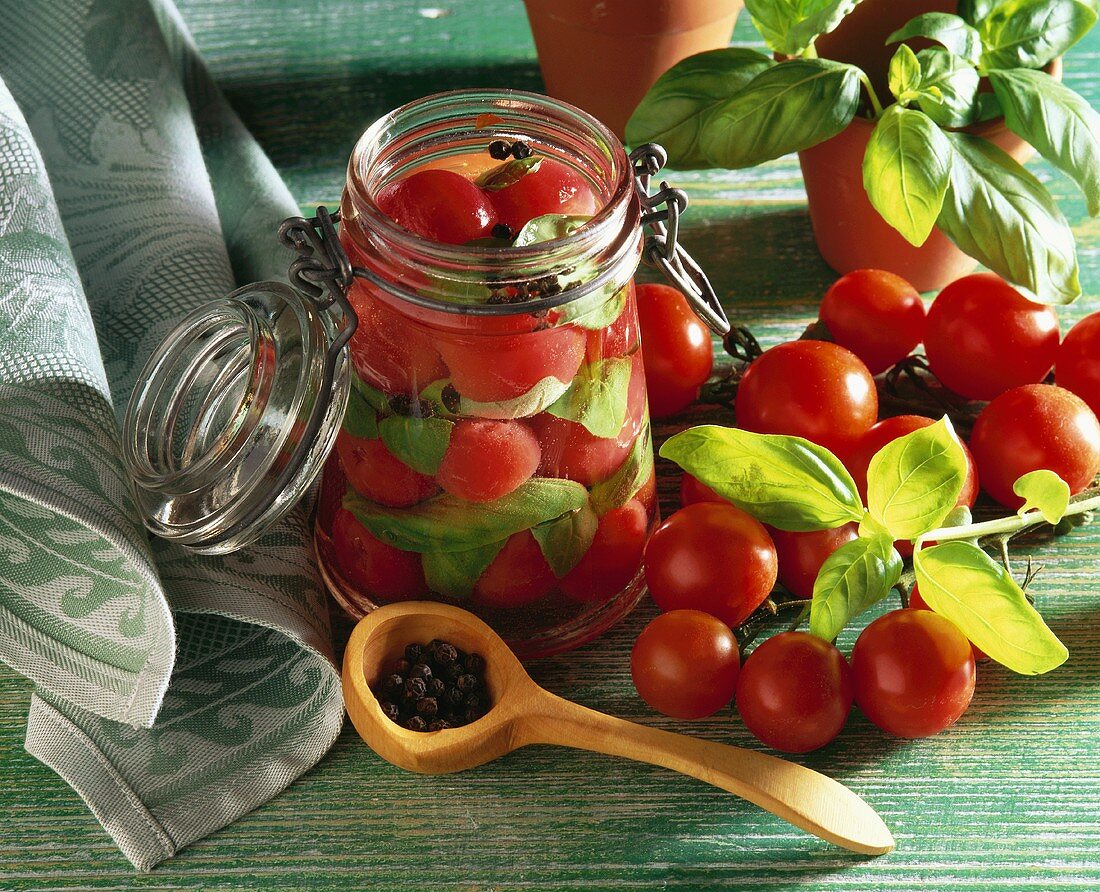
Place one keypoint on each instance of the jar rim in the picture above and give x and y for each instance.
(602, 229)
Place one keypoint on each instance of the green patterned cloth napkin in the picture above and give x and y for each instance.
(174, 693)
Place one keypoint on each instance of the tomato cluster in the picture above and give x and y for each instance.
(710, 565)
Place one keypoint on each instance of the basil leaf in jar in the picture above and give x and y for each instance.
(360, 417)
(418, 442)
(448, 523)
(623, 485)
(509, 173)
(566, 540)
(597, 397)
(537, 399)
(594, 311)
(455, 573)
(374, 397)
(548, 227)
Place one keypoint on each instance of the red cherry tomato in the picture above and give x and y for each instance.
(377, 474)
(685, 664)
(518, 575)
(875, 314)
(440, 205)
(916, 602)
(811, 389)
(492, 368)
(1032, 427)
(914, 673)
(389, 351)
(676, 348)
(711, 557)
(620, 337)
(464, 471)
(984, 337)
(858, 458)
(647, 494)
(372, 566)
(1077, 367)
(800, 555)
(571, 451)
(552, 188)
(692, 491)
(795, 692)
(613, 558)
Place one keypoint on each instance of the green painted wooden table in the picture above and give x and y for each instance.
(1008, 799)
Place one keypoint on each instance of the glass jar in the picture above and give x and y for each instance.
(492, 441)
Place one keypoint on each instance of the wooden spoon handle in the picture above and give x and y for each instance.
(799, 795)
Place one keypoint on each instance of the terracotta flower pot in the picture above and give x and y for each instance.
(604, 56)
(850, 233)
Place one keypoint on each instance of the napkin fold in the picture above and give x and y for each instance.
(174, 692)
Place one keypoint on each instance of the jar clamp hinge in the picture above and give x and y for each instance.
(661, 212)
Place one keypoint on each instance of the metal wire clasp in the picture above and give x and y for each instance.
(661, 212)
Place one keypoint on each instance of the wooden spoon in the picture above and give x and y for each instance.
(524, 714)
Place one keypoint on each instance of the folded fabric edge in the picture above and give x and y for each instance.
(71, 754)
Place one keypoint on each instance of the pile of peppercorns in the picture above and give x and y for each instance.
(434, 686)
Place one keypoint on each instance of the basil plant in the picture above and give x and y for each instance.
(736, 107)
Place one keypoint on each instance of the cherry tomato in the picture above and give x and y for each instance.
(377, 474)
(1077, 367)
(692, 491)
(552, 188)
(676, 347)
(914, 673)
(875, 314)
(984, 337)
(373, 566)
(518, 575)
(440, 205)
(1032, 427)
(464, 471)
(614, 556)
(685, 664)
(620, 337)
(858, 458)
(795, 692)
(647, 494)
(498, 367)
(811, 389)
(916, 602)
(800, 555)
(711, 557)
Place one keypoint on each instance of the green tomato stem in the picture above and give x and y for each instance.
(1004, 525)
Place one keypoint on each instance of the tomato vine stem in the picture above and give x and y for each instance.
(1010, 525)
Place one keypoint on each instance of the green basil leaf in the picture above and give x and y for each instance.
(543, 394)
(509, 173)
(595, 311)
(1031, 33)
(566, 540)
(999, 214)
(973, 11)
(1061, 125)
(787, 482)
(950, 30)
(903, 76)
(618, 489)
(989, 107)
(455, 573)
(418, 442)
(597, 397)
(963, 583)
(448, 523)
(678, 107)
(374, 397)
(1045, 491)
(948, 88)
(786, 108)
(915, 480)
(790, 26)
(854, 577)
(906, 167)
(548, 227)
(360, 417)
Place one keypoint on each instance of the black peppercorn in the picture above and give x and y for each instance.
(416, 723)
(521, 150)
(499, 149)
(452, 671)
(413, 652)
(401, 667)
(502, 231)
(465, 682)
(450, 398)
(475, 664)
(392, 684)
(471, 715)
(415, 688)
(446, 653)
(427, 706)
(391, 710)
(455, 697)
(421, 670)
(439, 725)
(436, 687)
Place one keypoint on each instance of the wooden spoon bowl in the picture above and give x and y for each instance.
(522, 714)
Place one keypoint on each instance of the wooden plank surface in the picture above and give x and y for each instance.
(1008, 799)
